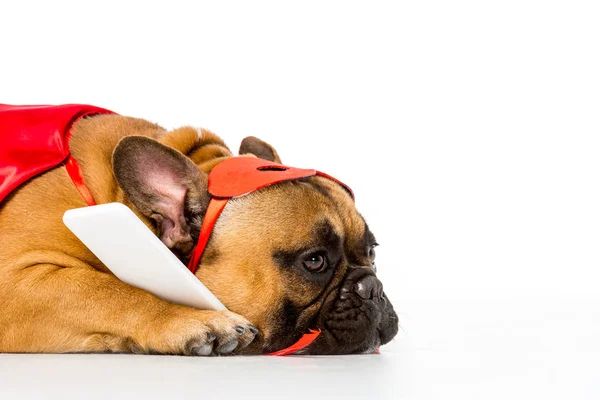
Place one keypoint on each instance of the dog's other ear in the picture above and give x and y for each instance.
(253, 145)
(164, 185)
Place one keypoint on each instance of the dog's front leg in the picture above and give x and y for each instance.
(51, 309)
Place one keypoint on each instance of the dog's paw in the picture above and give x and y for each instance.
(226, 333)
(204, 333)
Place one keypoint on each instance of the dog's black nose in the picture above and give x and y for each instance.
(369, 287)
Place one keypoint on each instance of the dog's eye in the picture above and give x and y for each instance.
(316, 262)
(371, 254)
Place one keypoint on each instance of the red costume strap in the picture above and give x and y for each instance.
(304, 341)
(74, 170)
(215, 207)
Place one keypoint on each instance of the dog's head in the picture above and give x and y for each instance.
(288, 257)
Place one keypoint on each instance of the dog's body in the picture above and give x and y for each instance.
(56, 296)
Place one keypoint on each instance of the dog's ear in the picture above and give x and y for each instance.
(164, 185)
(253, 145)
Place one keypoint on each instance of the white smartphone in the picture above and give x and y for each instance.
(136, 256)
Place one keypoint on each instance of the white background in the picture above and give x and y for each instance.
(469, 131)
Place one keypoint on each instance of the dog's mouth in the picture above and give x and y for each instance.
(356, 318)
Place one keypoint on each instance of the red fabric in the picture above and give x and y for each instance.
(74, 171)
(238, 176)
(304, 341)
(35, 139)
(215, 206)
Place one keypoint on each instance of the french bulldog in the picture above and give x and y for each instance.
(284, 259)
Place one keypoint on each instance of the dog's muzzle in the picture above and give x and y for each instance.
(357, 318)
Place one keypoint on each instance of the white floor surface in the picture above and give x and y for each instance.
(464, 345)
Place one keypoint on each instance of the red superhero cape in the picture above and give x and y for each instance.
(35, 139)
